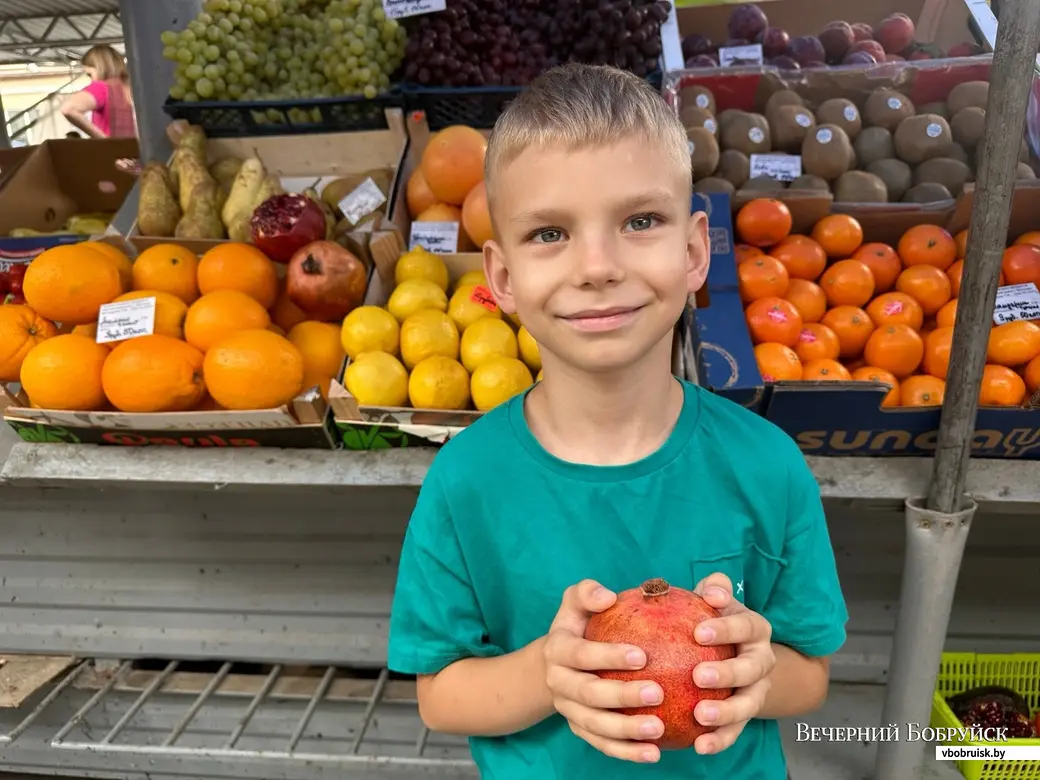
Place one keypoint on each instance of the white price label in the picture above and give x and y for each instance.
(1017, 302)
(438, 237)
(362, 201)
(740, 55)
(126, 320)
(398, 9)
(779, 167)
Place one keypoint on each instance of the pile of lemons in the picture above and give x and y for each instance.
(436, 345)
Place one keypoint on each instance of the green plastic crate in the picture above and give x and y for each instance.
(960, 671)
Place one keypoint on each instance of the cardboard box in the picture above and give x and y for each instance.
(61, 179)
(11, 159)
(844, 418)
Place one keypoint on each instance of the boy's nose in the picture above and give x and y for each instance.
(598, 264)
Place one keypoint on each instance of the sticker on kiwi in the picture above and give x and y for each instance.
(850, 113)
(756, 135)
(702, 101)
(710, 126)
(895, 103)
(824, 135)
(804, 120)
(933, 130)
(691, 146)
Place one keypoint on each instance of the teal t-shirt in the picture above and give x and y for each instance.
(501, 528)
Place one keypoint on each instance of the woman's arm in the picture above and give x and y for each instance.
(75, 107)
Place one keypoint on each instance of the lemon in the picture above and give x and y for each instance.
(369, 329)
(498, 380)
(465, 308)
(529, 349)
(415, 295)
(377, 379)
(471, 278)
(439, 383)
(420, 264)
(485, 339)
(427, 333)
(540, 377)
(515, 319)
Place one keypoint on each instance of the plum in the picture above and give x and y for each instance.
(695, 44)
(735, 42)
(895, 33)
(702, 61)
(836, 40)
(784, 63)
(966, 49)
(872, 48)
(805, 49)
(814, 65)
(774, 41)
(747, 21)
(920, 54)
(894, 58)
(862, 32)
(859, 58)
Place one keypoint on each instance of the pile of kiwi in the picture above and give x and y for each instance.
(884, 151)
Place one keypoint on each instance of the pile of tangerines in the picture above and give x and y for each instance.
(830, 307)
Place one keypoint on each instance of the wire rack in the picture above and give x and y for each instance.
(117, 700)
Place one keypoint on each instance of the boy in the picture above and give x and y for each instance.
(608, 473)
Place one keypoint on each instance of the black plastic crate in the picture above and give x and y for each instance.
(231, 119)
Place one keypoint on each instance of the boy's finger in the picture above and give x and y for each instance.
(736, 672)
(611, 725)
(622, 749)
(719, 740)
(716, 589)
(579, 603)
(574, 652)
(601, 694)
(736, 629)
(741, 706)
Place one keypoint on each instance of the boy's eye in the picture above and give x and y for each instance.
(547, 236)
(643, 222)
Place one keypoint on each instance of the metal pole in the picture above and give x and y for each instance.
(5, 138)
(936, 533)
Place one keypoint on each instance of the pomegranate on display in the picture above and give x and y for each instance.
(285, 223)
(660, 619)
(326, 281)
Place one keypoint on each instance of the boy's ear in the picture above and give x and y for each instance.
(698, 251)
(497, 274)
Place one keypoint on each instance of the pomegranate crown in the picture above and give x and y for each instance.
(655, 587)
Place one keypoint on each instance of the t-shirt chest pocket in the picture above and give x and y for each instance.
(752, 571)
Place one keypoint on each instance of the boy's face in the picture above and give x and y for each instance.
(596, 250)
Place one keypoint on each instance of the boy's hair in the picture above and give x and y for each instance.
(581, 106)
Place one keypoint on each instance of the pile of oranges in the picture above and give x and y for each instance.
(829, 307)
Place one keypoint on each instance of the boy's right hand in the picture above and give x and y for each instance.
(585, 700)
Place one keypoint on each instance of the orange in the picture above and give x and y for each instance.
(883, 262)
(418, 194)
(170, 312)
(764, 222)
(937, 345)
(875, 374)
(744, 252)
(802, 257)
(235, 266)
(1020, 264)
(947, 315)
(897, 349)
(168, 268)
(219, 314)
(808, 297)
(70, 283)
(895, 308)
(777, 363)
(253, 369)
(476, 219)
(922, 390)
(927, 285)
(927, 245)
(443, 212)
(1001, 387)
(817, 341)
(285, 314)
(1032, 237)
(21, 329)
(1013, 343)
(848, 283)
(839, 234)
(852, 326)
(928, 326)
(64, 373)
(1031, 374)
(773, 319)
(825, 371)
(154, 374)
(961, 240)
(319, 344)
(123, 264)
(955, 272)
(453, 163)
(762, 277)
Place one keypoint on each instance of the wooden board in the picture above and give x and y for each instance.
(22, 675)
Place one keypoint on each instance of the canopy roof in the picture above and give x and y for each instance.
(56, 31)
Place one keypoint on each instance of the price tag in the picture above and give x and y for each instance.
(362, 201)
(483, 296)
(740, 55)
(398, 9)
(780, 167)
(1017, 302)
(438, 237)
(126, 320)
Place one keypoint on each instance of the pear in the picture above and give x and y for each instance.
(202, 219)
(225, 170)
(192, 173)
(244, 191)
(157, 210)
(239, 229)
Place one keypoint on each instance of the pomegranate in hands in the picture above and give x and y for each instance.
(285, 223)
(326, 281)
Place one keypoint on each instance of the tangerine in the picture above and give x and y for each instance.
(219, 314)
(154, 374)
(236, 266)
(897, 349)
(1032, 238)
(64, 373)
(1001, 387)
(476, 219)
(286, 314)
(946, 317)
(1013, 343)
(808, 297)
(777, 363)
(875, 374)
(453, 163)
(21, 329)
(762, 277)
(956, 272)
(1021, 264)
(927, 285)
(896, 308)
(418, 195)
(927, 245)
(322, 350)
(817, 341)
(839, 234)
(124, 265)
(253, 369)
(70, 283)
(764, 222)
(883, 262)
(852, 326)
(802, 257)
(922, 391)
(168, 268)
(825, 370)
(773, 319)
(1031, 374)
(744, 252)
(937, 346)
(961, 241)
(848, 283)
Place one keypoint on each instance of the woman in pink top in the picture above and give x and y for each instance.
(107, 97)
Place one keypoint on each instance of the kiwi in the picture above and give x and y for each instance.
(968, 126)
(887, 108)
(894, 174)
(919, 138)
(785, 97)
(929, 192)
(952, 174)
(809, 182)
(747, 133)
(825, 152)
(704, 151)
(788, 126)
(853, 159)
(727, 116)
(715, 184)
(698, 96)
(967, 95)
(762, 183)
(934, 108)
(1024, 171)
(873, 144)
(843, 113)
(695, 116)
(955, 152)
(734, 167)
(860, 187)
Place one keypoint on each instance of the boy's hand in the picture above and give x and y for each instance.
(747, 673)
(587, 701)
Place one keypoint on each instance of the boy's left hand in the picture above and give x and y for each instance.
(747, 673)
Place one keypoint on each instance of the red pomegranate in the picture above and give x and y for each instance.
(282, 224)
(661, 620)
(326, 281)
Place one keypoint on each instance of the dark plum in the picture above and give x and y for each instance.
(695, 44)
(702, 61)
(747, 21)
(735, 42)
(860, 58)
(774, 41)
(805, 49)
(837, 38)
(784, 63)
(872, 48)
(862, 32)
(895, 33)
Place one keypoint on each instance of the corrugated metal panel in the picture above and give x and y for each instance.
(24, 9)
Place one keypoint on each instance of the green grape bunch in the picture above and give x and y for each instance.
(244, 50)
